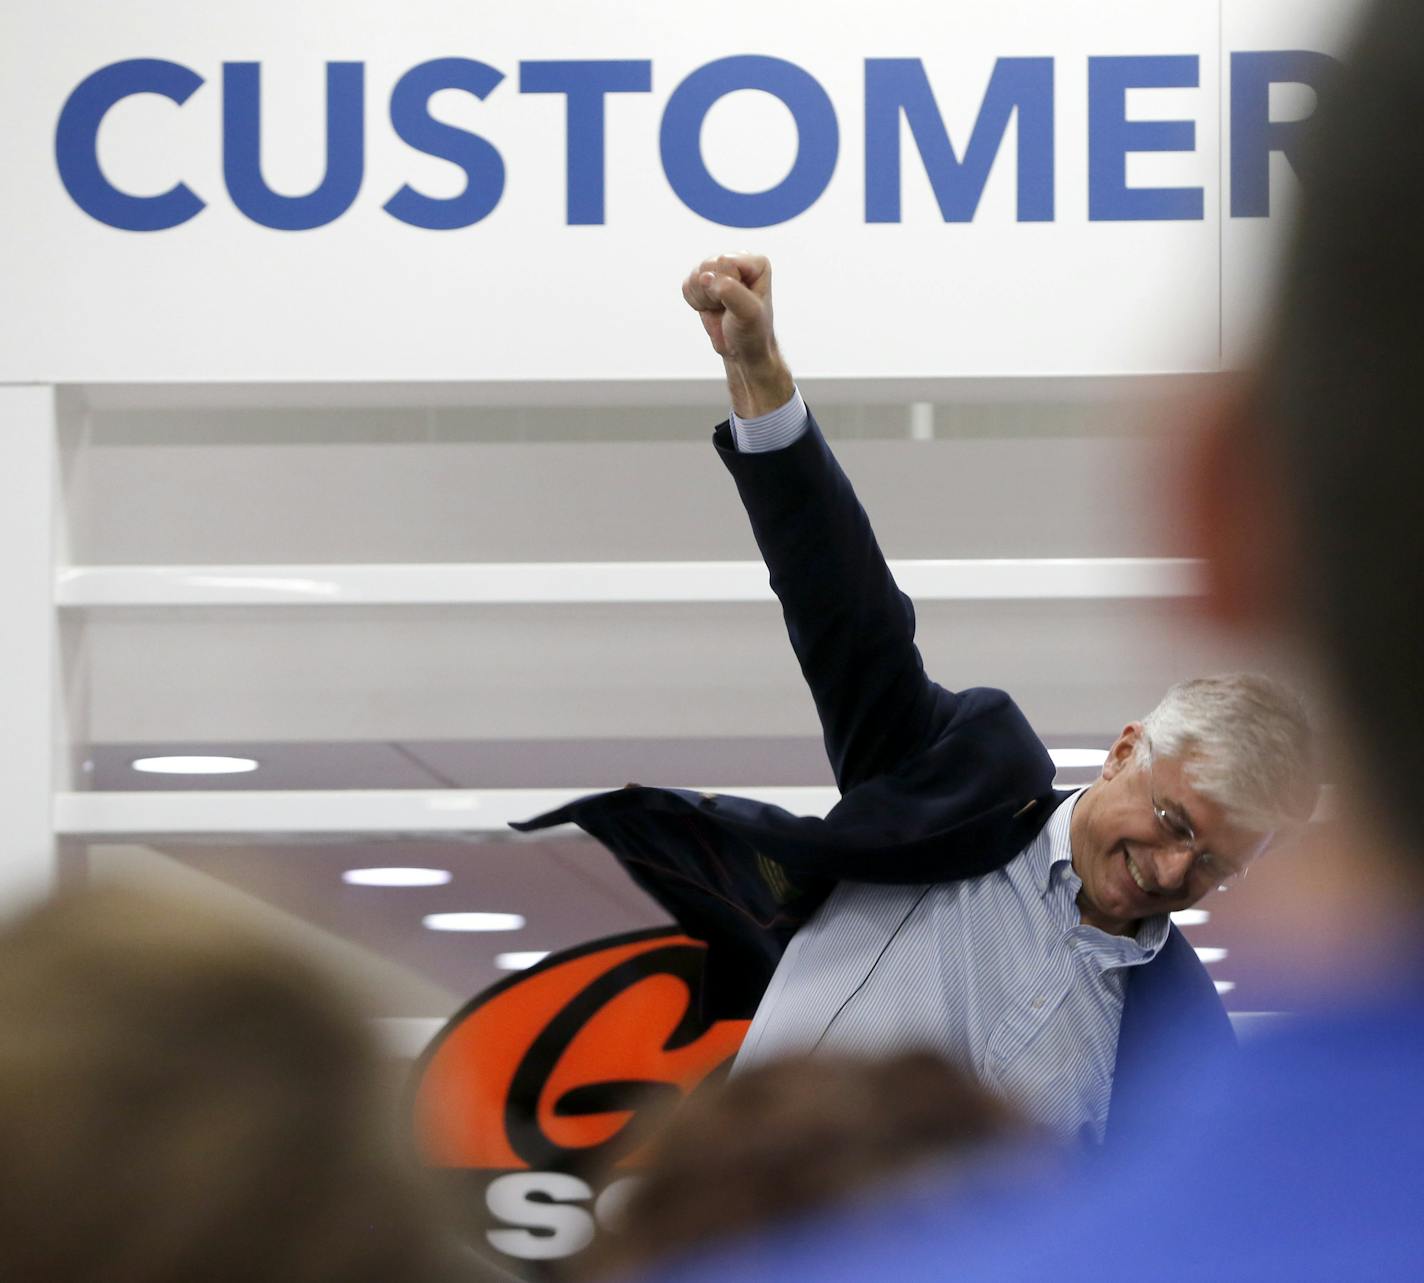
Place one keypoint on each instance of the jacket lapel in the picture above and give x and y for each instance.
(1173, 1027)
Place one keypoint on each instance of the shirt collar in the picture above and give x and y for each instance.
(1055, 846)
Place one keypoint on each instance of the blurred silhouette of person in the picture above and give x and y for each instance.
(799, 1135)
(183, 1101)
(1303, 481)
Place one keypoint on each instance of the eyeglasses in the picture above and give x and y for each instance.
(1222, 873)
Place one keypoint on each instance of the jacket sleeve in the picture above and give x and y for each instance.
(852, 629)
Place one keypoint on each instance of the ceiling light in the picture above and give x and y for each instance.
(396, 877)
(194, 765)
(1191, 917)
(1225, 986)
(473, 921)
(1067, 758)
(1209, 954)
(519, 961)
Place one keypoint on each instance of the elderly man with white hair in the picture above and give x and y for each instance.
(952, 900)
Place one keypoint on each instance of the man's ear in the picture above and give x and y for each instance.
(1120, 754)
(1234, 514)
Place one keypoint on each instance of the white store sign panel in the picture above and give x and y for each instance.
(347, 190)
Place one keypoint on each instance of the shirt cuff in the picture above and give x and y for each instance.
(773, 431)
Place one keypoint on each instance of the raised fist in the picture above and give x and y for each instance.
(732, 295)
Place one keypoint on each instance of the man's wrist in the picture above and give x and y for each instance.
(775, 431)
(759, 388)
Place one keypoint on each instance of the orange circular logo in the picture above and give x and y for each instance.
(534, 1086)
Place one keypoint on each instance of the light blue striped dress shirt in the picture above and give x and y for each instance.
(996, 973)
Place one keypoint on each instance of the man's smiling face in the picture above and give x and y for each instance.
(1146, 842)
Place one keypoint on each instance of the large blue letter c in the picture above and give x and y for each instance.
(76, 145)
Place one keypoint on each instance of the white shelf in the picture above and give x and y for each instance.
(706, 396)
(580, 583)
(348, 811)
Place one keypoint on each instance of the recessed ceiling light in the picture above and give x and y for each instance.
(1209, 954)
(396, 877)
(1191, 917)
(473, 921)
(1066, 758)
(1225, 986)
(518, 961)
(194, 765)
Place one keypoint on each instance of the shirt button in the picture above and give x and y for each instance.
(1038, 1002)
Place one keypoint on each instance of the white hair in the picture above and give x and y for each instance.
(1244, 741)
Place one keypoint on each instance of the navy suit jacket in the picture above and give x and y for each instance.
(936, 785)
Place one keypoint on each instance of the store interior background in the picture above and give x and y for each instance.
(219, 547)
(428, 524)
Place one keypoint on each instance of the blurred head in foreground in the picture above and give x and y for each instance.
(1307, 494)
(794, 1137)
(182, 1100)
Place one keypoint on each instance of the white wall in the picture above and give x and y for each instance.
(522, 295)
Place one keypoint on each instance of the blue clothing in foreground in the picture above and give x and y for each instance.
(1308, 1166)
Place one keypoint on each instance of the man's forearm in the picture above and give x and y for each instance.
(760, 388)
